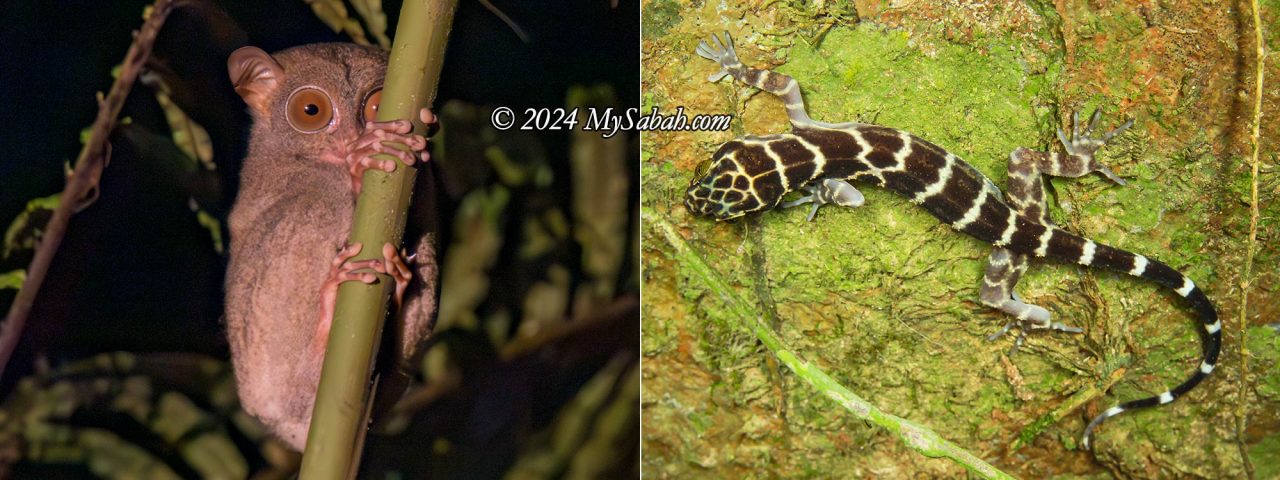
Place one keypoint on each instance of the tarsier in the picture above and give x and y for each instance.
(753, 173)
(313, 137)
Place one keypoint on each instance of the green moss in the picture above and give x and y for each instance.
(1264, 345)
(659, 15)
(1265, 456)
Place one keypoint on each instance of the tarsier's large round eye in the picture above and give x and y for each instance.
(370, 111)
(309, 110)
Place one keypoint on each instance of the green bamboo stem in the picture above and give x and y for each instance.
(913, 435)
(338, 420)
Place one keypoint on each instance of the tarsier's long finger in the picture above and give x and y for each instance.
(426, 116)
(345, 253)
(374, 135)
(393, 126)
(358, 271)
(365, 159)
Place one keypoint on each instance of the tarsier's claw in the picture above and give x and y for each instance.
(341, 270)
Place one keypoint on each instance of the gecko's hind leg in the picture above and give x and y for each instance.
(1004, 269)
(1025, 194)
(829, 190)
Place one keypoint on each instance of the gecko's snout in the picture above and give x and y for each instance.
(715, 196)
(697, 199)
(721, 189)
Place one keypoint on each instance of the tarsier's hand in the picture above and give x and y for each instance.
(361, 151)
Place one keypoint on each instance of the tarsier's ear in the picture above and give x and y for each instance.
(255, 75)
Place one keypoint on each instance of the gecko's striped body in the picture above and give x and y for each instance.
(753, 173)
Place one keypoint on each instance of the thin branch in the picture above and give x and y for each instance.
(914, 436)
(1251, 247)
(524, 37)
(83, 180)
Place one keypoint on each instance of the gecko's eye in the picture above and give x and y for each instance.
(701, 171)
(309, 110)
(369, 112)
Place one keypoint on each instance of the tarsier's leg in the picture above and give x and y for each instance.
(785, 87)
(1025, 193)
(829, 190)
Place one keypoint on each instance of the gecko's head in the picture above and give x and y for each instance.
(731, 184)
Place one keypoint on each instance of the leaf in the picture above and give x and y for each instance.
(188, 135)
(211, 223)
(334, 14)
(13, 280)
(28, 226)
(374, 18)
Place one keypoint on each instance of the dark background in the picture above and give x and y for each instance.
(136, 272)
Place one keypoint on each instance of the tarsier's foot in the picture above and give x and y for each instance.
(396, 265)
(719, 52)
(827, 191)
(1027, 317)
(361, 151)
(1083, 142)
(343, 269)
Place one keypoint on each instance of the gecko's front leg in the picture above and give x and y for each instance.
(828, 191)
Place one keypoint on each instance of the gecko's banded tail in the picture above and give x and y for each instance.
(1067, 247)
